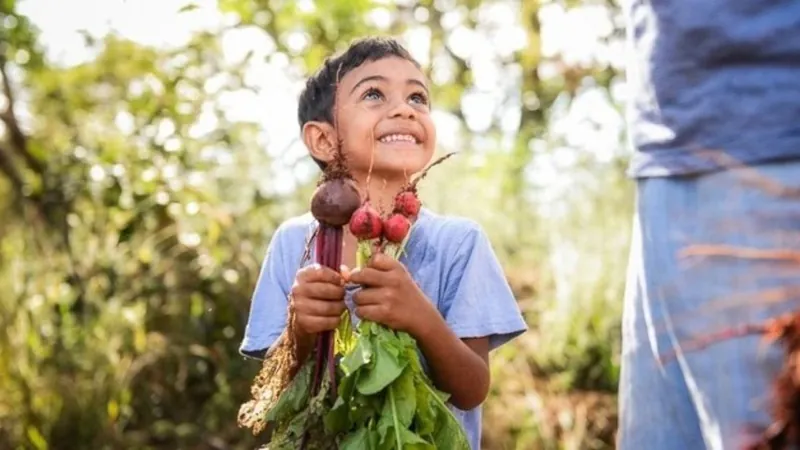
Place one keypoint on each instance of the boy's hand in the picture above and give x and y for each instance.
(390, 296)
(318, 299)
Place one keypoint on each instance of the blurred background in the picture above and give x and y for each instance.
(149, 148)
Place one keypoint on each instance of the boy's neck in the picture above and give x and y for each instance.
(381, 190)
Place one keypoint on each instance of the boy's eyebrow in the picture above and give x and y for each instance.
(383, 78)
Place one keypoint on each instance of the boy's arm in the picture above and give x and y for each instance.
(459, 367)
(476, 314)
(266, 319)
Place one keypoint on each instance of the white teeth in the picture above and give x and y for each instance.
(398, 138)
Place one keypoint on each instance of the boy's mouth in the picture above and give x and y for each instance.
(399, 138)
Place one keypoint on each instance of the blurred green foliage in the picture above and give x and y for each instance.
(134, 214)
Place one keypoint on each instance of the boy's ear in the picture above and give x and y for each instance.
(320, 139)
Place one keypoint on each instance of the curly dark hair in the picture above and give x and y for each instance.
(318, 96)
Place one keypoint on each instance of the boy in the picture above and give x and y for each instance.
(448, 291)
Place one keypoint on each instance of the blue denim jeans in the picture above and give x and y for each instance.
(700, 264)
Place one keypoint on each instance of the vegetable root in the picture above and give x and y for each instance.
(784, 431)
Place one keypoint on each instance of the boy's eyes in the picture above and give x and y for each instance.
(421, 98)
(372, 94)
(376, 94)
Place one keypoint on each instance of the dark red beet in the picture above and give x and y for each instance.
(366, 223)
(407, 203)
(396, 227)
(334, 202)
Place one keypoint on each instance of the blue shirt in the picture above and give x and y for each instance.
(718, 75)
(451, 260)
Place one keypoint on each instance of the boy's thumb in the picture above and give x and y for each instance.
(345, 271)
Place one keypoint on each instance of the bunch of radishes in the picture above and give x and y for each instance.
(367, 224)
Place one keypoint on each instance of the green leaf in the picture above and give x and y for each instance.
(358, 357)
(364, 408)
(337, 420)
(384, 370)
(412, 441)
(405, 399)
(347, 385)
(36, 438)
(385, 428)
(345, 339)
(188, 7)
(407, 341)
(449, 433)
(8, 6)
(128, 230)
(433, 416)
(388, 427)
(425, 408)
(357, 440)
(295, 396)
(298, 423)
(373, 439)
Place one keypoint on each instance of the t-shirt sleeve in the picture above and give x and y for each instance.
(267, 317)
(477, 301)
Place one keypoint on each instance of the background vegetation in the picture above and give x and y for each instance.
(136, 204)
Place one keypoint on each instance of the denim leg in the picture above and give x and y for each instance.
(718, 288)
(656, 409)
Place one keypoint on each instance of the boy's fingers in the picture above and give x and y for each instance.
(320, 308)
(369, 276)
(315, 324)
(373, 313)
(366, 297)
(382, 261)
(318, 273)
(345, 271)
(320, 291)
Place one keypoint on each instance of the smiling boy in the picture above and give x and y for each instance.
(448, 291)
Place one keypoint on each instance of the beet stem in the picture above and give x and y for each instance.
(332, 369)
(329, 254)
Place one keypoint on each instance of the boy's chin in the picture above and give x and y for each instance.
(394, 171)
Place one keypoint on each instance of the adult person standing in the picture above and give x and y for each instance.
(714, 121)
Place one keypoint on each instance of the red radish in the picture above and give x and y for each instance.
(366, 223)
(395, 228)
(407, 203)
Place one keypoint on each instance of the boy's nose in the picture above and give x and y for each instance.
(404, 110)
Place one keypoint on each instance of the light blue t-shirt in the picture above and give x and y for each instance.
(451, 260)
(711, 78)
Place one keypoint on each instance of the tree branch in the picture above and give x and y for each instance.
(18, 139)
(10, 170)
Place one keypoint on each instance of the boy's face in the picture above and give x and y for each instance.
(383, 107)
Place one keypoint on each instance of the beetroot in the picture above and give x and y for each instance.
(365, 224)
(395, 228)
(334, 201)
(407, 203)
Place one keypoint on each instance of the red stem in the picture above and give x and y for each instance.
(329, 254)
(335, 240)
